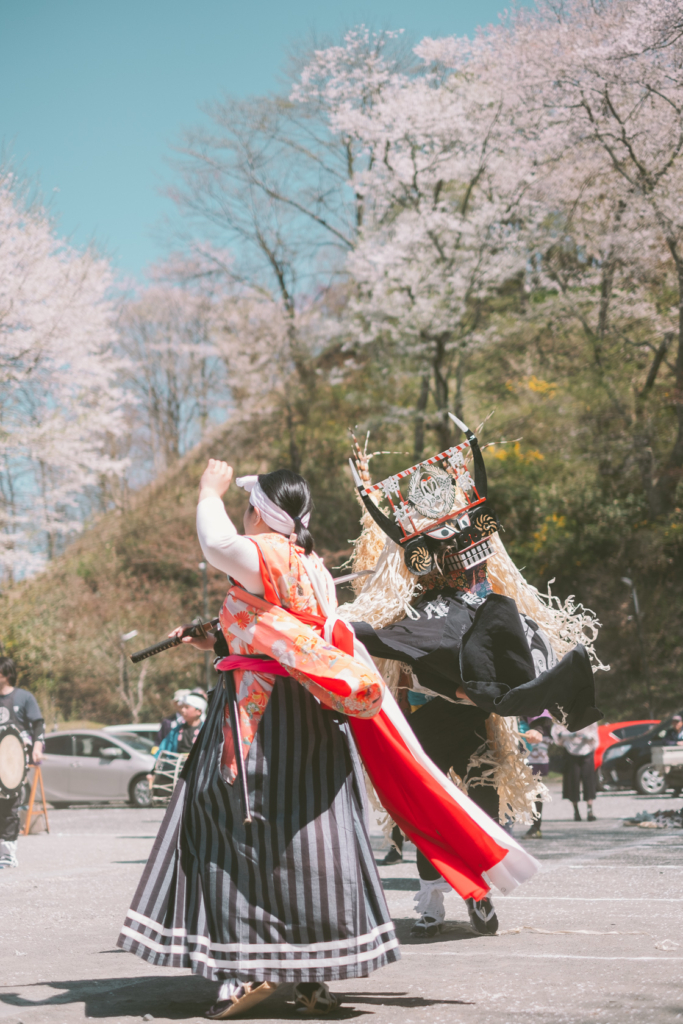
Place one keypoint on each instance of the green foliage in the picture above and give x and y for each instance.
(564, 478)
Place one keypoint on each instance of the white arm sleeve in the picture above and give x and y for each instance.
(223, 547)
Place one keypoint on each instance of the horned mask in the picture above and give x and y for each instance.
(451, 539)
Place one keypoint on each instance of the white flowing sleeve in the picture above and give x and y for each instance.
(224, 548)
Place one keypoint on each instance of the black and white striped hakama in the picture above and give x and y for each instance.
(295, 896)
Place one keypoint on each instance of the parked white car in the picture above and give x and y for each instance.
(94, 765)
(148, 730)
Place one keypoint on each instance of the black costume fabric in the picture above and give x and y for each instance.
(481, 646)
(9, 818)
(450, 734)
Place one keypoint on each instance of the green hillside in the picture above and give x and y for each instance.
(569, 512)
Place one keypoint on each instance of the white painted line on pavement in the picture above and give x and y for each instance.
(536, 956)
(601, 899)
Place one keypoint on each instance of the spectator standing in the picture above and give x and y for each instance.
(182, 735)
(193, 712)
(173, 720)
(674, 735)
(578, 771)
(537, 736)
(21, 709)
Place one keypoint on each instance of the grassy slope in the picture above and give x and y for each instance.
(140, 571)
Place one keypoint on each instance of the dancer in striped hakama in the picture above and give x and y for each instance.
(294, 896)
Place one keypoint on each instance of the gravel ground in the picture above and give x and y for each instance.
(595, 936)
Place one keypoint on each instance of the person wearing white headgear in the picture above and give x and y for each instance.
(172, 720)
(277, 504)
(254, 903)
(193, 711)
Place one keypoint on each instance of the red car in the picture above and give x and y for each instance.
(612, 732)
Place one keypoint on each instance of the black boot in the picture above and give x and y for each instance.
(482, 916)
(395, 854)
(426, 927)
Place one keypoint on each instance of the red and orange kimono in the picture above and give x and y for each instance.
(463, 843)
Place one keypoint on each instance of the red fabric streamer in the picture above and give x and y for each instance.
(457, 847)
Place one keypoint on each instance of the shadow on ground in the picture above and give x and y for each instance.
(190, 996)
(451, 931)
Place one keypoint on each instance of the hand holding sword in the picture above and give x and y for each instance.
(200, 637)
(198, 634)
(202, 643)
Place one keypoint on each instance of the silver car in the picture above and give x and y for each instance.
(148, 730)
(90, 765)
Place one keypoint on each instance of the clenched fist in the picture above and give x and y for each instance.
(215, 479)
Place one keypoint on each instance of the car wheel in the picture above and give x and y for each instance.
(140, 793)
(649, 781)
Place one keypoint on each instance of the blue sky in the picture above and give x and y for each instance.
(93, 93)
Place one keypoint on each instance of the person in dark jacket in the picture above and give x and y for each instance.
(173, 720)
(674, 735)
(182, 734)
(21, 709)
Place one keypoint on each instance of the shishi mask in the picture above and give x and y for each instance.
(452, 538)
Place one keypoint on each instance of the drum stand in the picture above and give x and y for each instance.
(31, 814)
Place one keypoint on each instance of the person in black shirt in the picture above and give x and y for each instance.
(193, 710)
(183, 734)
(21, 709)
(674, 735)
(173, 720)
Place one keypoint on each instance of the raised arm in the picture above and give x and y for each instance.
(222, 546)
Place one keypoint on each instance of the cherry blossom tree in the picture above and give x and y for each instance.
(445, 193)
(544, 155)
(174, 376)
(268, 180)
(60, 406)
(603, 86)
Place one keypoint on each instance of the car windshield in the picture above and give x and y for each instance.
(136, 742)
(634, 730)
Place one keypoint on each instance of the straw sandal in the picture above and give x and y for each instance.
(251, 995)
(314, 999)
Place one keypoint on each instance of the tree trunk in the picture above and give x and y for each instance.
(443, 424)
(294, 452)
(664, 492)
(421, 407)
(459, 402)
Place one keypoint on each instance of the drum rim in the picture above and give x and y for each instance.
(174, 762)
(10, 729)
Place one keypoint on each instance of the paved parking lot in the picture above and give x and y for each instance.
(596, 936)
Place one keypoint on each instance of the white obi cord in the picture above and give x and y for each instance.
(273, 516)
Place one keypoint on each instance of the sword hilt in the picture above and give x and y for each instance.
(199, 629)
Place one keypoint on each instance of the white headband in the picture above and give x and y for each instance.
(195, 700)
(272, 514)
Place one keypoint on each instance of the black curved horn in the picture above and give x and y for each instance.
(480, 481)
(392, 530)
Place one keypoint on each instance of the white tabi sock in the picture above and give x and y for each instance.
(229, 988)
(8, 853)
(429, 900)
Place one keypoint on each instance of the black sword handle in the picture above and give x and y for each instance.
(173, 641)
(229, 679)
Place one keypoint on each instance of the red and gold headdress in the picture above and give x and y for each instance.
(426, 524)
